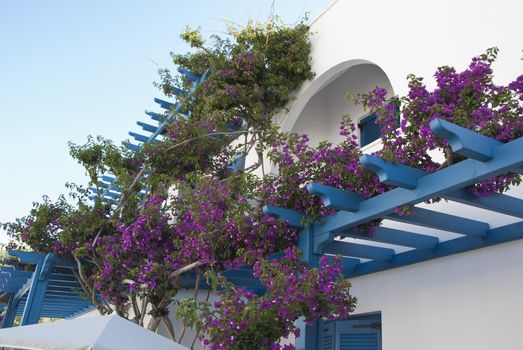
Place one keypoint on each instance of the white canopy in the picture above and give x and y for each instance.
(109, 332)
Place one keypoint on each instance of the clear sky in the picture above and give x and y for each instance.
(69, 69)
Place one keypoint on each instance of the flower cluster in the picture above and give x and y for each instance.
(221, 229)
(469, 98)
(244, 320)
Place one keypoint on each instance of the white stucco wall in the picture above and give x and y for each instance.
(408, 36)
(466, 301)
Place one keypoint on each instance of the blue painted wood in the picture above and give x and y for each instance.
(327, 339)
(397, 237)
(108, 178)
(178, 92)
(499, 203)
(189, 75)
(358, 334)
(27, 257)
(138, 137)
(293, 218)
(36, 295)
(458, 176)
(392, 174)
(442, 221)
(336, 198)
(147, 127)
(309, 333)
(131, 146)
(358, 250)
(81, 312)
(10, 313)
(238, 163)
(156, 116)
(465, 142)
(164, 104)
(458, 245)
(369, 130)
(105, 193)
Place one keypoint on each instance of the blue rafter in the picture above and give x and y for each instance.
(486, 158)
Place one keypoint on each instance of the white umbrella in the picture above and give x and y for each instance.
(109, 332)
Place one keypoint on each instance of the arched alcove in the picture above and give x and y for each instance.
(319, 109)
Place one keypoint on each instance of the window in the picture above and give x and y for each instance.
(360, 332)
(370, 129)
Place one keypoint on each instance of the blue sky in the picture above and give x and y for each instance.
(69, 69)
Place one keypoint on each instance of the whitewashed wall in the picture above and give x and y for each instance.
(466, 301)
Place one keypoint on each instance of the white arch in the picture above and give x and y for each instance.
(321, 104)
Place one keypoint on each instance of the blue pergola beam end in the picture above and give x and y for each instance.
(292, 217)
(465, 142)
(336, 198)
(397, 175)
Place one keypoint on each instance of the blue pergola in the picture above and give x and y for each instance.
(48, 289)
(486, 158)
(112, 193)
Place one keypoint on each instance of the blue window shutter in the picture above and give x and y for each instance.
(358, 333)
(369, 130)
(369, 127)
(327, 335)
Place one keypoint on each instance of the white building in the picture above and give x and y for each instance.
(470, 300)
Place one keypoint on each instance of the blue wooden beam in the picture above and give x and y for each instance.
(392, 174)
(178, 92)
(458, 245)
(293, 218)
(358, 250)
(156, 116)
(139, 137)
(348, 264)
(164, 104)
(497, 202)
(131, 146)
(237, 164)
(189, 75)
(465, 142)
(309, 333)
(506, 157)
(442, 221)
(336, 198)
(396, 237)
(147, 127)
(105, 193)
(11, 311)
(36, 295)
(81, 312)
(27, 257)
(109, 179)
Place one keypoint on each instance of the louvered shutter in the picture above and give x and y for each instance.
(327, 334)
(358, 334)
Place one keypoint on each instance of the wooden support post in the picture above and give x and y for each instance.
(308, 339)
(35, 299)
(10, 313)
